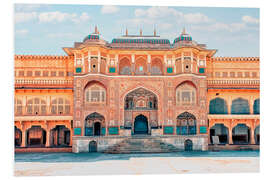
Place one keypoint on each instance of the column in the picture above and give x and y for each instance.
(89, 61)
(174, 66)
(230, 135)
(132, 64)
(229, 102)
(148, 64)
(48, 137)
(165, 64)
(23, 138)
(99, 61)
(251, 102)
(252, 138)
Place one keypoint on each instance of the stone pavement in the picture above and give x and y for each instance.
(142, 165)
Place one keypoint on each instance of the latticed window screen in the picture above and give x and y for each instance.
(125, 70)
(36, 106)
(60, 106)
(186, 124)
(185, 94)
(95, 93)
(18, 107)
(155, 70)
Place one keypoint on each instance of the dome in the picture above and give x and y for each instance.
(184, 37)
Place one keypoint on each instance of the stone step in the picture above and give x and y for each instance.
(140, 144)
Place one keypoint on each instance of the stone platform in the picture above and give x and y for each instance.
(139, 143)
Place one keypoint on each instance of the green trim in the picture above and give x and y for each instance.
(113, 130)
(78, 69)
(168, 129)
(169, 69)
(77, 131)
(201, 70)
(112, 69)
(203, 129)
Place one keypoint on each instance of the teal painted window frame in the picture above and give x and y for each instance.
(169, 69)
(168, 129)
(77, 131)
(112, 69)
(203, 129)
(201, 70)
(113, 130)
(78, 69)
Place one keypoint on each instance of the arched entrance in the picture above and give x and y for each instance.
(241, 134)
(257, 135)
(94, 125)
(221, 131)
(188, 145)
(140, 125)
(18, 137)
(60, 136)
(93, 146)
(36, 137)
(97, 129)
(141, 101)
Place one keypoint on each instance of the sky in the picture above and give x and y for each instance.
(45, 29)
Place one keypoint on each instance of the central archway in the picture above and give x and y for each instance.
(141, 125)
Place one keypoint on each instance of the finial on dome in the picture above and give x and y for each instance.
(141, 32)
(184, 31)
(155, 32)
(126, 32)
(96, 30)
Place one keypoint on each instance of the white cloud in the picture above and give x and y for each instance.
(196, 18)
(233, 27)
(109, 9)
(250, 20)
(56, 16)
(28, 7)
(60, 35)
(25, 16)
(51, 17)
(21, 32)
(156, 13)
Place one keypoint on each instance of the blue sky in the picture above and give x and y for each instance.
(45, 29)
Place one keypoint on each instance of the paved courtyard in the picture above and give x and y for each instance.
(138, 164)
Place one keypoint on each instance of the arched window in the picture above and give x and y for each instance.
(36, 106)
(240, 106)
(156, 67)
(125, 66)
(218, 106)
(186, 94)
(95, 93)
(18, 107)
(60, 106)
(256, 106)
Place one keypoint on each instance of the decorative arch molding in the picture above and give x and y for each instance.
(146, 87)
(92, 82)
(125, 66)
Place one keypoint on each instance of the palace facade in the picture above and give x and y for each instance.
(103, 95)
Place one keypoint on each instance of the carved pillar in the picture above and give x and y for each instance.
(230, 135)
(132, 64)
(229, 104)
(48, 129)
(251, 102)
(148, 64)
(23, 137)
(99, 61)
(252, 138)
